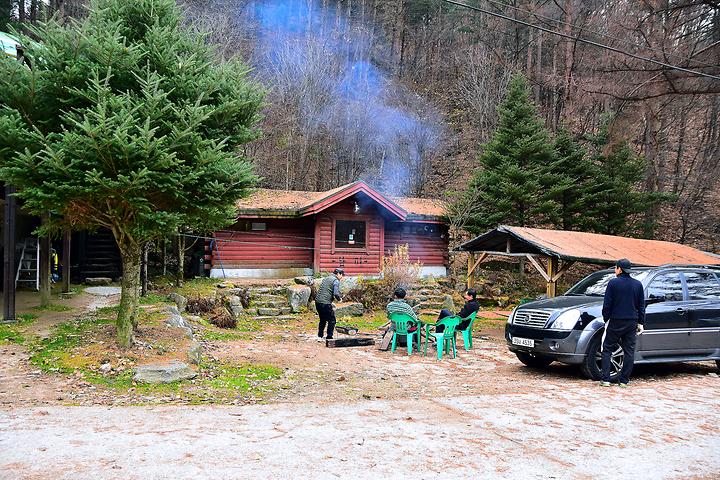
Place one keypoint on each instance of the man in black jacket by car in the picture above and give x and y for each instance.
(471, 305)
(624, 315)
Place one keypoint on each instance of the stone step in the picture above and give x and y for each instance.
(270, 304)
(283, 318)
(273, 312)
(431, 306)
(429, 298)
(267, 291)
(266, 296)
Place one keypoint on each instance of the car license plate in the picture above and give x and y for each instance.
(523, 342)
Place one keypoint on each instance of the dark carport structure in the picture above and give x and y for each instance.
(552, 252)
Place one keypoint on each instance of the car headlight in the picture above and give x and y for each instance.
(512, 315)
(566, 320)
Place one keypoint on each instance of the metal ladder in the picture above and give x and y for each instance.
(29, 264)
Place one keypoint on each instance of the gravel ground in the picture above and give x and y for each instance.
(576, 432)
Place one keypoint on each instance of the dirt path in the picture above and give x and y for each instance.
(341, 413)
(21, 384)
(577, 432)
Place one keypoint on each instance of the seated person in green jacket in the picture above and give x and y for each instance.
(399, 305)
(471, 305)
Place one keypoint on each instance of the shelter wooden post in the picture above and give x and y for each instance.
(470, 274)
(66, 261)
(552, 268)
(9, 255)
(45, 266)
(472, 266)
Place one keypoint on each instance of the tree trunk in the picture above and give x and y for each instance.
(180, 274)
(127, 314)
(144, 270)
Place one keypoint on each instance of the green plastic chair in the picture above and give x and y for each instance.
(402, 322)
(467, 332)
(445, 339)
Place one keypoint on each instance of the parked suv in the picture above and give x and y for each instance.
(682, 321)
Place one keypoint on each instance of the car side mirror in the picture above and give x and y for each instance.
(655, 299)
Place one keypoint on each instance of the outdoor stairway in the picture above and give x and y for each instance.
(430, 298)
(101, 256)
(27, 272)
(269, 303)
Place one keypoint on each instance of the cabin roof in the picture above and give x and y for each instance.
(265, 202)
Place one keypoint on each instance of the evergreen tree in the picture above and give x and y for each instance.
(510, 186)
(572, 182)
(616, 202)
(127, 121)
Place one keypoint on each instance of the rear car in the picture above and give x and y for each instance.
(682, 321)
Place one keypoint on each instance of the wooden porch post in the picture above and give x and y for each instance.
(9, 255)
(552, 267)
(67, 236)
(471, 270)
(45, 266)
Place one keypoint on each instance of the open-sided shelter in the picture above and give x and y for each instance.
(552, 252)
(281, 233)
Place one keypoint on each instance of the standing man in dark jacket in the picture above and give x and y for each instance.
(329, 290)
(624, 315)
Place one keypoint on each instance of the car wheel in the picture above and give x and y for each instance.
(533, 360)
(592, 365)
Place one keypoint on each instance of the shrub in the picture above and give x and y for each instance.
(212, 309)
(397, 269)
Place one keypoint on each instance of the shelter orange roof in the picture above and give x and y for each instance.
(587, 247)
(293, 203)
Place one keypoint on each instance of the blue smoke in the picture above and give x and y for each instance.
(346, 93)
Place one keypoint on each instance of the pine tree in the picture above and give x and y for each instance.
(616, 202)
(127, 121)
(510, 186)
(572, 176)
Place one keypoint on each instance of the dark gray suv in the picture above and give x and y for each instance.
(682, 321)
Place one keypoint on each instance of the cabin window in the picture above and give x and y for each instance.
(258, 226)
(426, 229)
(350, 234)
(248, 226)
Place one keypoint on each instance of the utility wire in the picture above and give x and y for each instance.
(601, 34)
(582, 40)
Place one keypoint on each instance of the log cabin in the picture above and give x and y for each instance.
(281, 234)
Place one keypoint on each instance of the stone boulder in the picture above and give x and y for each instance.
(448, 303)
(307, 281)
(350, 309)
(179, 300)
(103, 291)
(298, 297)
(194, 353)
(176, 320)
(173, 371)
(98, 281)
(234, 305)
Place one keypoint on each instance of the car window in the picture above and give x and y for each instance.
(596, 283)
(702, 285)
(667, 286)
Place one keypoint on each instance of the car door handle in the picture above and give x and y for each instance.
(681, 311)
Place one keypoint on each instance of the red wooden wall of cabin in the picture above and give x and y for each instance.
(287, 243)
(429, 248)
(353, 261)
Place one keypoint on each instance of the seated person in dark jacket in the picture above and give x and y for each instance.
(471, 305)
